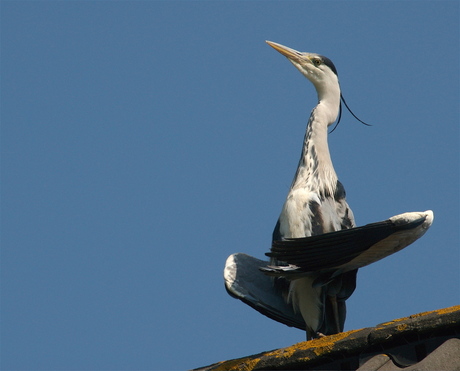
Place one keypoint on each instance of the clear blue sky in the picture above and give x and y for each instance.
(145, 141)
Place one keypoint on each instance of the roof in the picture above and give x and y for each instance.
(425, 341)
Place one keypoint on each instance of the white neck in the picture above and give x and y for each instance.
(329, 101)
(315, 170)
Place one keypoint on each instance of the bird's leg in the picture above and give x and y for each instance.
(316, 335)
(335, 312)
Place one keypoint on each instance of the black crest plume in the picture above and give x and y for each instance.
(349, 110)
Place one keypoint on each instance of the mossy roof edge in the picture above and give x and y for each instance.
(343, 344)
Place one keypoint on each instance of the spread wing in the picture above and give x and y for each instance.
(244, 281)
(347, 249)
(332, 253)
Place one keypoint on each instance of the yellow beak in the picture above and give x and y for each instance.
(287, 52)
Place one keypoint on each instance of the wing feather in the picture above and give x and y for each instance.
(343, 249)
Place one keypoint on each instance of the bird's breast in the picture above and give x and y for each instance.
(306, 213)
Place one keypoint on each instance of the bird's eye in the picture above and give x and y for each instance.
(317, 62)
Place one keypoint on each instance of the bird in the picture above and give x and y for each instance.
(317, 248)
(316, 202)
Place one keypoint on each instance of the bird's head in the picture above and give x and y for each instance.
(316, 68)
(323, 74)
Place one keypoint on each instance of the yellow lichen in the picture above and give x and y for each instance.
(392, 322)
(326, 344)
(320, 346)
(241, 364)
(283, 352)
(455, 308)
(402, 327)
(438, 311)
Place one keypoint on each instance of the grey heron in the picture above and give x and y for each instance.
(316, 247)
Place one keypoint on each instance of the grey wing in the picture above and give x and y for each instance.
(244, 281)
(333, 258)
(348, 249)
